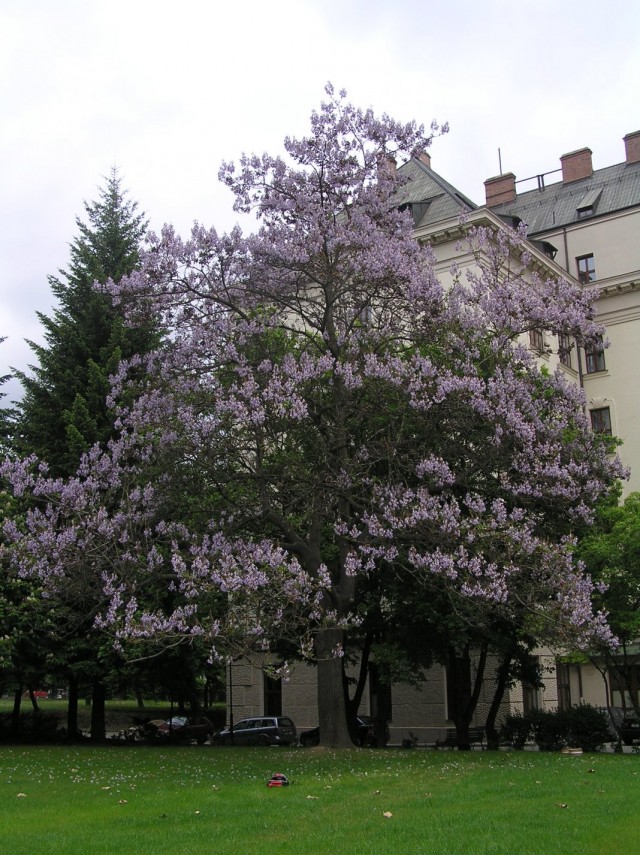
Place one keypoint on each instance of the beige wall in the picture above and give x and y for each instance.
(614, 242)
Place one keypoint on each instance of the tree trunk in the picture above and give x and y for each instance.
(15, 712)
(352, 704)
(504, 669)
(139, 698)
(98, 723)
(465, 697)
(332, 716)
(72, 709)
(33, 699)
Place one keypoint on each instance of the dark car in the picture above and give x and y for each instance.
(181, 728)
(365, 733)
(261, 730)
(630, 730)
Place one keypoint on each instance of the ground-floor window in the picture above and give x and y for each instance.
(625, 693)
(380, 700)
(272, 695)
(531, 696)
(564, 686)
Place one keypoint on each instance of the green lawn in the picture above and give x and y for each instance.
(137, 800)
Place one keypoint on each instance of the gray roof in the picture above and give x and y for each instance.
(613, 188)
(431, 198)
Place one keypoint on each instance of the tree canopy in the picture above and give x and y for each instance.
(611, 553)
(326, 410)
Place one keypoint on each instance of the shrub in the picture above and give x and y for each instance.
(548, 729)
(582, 726)
(585, 727)
(31, 727)
(516, 730)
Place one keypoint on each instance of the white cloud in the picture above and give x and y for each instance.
(166, 92)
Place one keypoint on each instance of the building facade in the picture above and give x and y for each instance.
(591, 218)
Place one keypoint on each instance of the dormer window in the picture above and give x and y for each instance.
(587, 205)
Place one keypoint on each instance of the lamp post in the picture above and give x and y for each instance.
(231, 701)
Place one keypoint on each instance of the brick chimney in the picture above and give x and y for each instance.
(576, 165)
(387, 164)
(632, 147)
(500, 189)
(425, 158)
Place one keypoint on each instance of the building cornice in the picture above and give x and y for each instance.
(457, 229)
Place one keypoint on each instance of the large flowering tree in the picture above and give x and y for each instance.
(322, 411)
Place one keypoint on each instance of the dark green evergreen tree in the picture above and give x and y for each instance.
(64, 411)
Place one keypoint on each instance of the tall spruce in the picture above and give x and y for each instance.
(64, 410)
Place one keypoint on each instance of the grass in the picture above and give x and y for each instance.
(192, 800)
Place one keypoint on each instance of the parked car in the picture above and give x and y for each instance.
(262, 730)
(181, 728)
(630, 729)
(365, 728)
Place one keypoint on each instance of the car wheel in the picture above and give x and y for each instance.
(263, 741)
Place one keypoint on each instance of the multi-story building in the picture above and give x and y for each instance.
(592, 220)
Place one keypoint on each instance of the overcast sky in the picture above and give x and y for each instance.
(165, 91)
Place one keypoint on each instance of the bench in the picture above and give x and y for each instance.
(476, 737)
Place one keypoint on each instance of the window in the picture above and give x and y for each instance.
(536, 340)
(379, 695)
(587, 205)
(272, 696)
(601, 420)
(531, 698)
(565, 346)
(625, 693)
(594, 358)
(586, 269)
(563, 677)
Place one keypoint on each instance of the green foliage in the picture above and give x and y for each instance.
(581, 726)
(31, 728)
(549, 729)
(611, 553)
(63, 412)
(516, 730)
(586, 727)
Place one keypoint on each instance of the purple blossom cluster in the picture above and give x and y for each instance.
(321, 408)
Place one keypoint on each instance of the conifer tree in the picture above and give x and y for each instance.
(64, 410)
